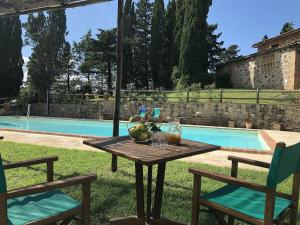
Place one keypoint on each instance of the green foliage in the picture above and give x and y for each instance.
(289, 26)
(11, 73)
(215, 47)
(27, 95)
(230, 53)
(129, 44)
(157, 43)
(170, 59)
(223, 81)
(143, 41)
(84, 56)
(105, 54)
(46, 35)
(180, 14)
(193, 61)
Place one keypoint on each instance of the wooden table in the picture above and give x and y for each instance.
(146, 155)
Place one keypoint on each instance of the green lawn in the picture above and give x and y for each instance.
(113, 194)
(238, 96)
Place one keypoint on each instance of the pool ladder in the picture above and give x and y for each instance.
(28, 110)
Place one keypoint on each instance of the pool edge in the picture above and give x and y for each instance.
(228, 149)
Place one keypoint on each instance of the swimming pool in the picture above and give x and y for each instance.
(230, 138)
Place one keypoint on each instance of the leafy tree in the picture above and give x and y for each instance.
(63, 83)
(46, 34)
(84, 57)
(289, 26)
(105, 49)
(11, 73)
(157, 43)
(129, 43)
(193, 61)
(143, 39)
(230, 53)
(170, 47)
(215, 47)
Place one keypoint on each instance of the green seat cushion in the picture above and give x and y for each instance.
(156, 113)
(23, 210)
(143, 114)
(246, 201)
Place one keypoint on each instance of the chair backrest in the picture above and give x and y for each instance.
(285, 162)
(156, 112)
(142, 111)
(3, 188)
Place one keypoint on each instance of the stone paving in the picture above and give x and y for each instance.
(218, 158)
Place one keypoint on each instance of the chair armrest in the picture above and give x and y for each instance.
(30, 162)
(51, 185)
(228, 180)
(249, 161)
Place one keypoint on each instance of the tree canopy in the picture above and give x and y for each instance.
(11, 61)
(289, 26)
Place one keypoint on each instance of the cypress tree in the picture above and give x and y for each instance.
(193, 61)
(11, 61)
(46, 34)
(128, 43)
(170, 47)
(157, 43)
(143, 40)
(179, 17)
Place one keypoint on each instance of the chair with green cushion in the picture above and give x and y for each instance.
(43, 203)
(156, 115)
(249, 202)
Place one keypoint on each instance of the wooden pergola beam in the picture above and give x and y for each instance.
(17, 8)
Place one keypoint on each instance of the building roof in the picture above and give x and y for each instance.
(277, 37)
(295, 45)
(19, 7)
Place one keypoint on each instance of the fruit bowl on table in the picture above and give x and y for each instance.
(141, 132)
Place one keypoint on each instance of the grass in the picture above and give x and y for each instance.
(238, 96)
(113, 194)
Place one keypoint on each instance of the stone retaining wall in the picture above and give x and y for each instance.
(214, 113)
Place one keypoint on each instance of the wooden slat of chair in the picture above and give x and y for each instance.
(65, 217)
(295, 198)
(270, 193)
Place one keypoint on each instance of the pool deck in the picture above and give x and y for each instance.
(218, 158)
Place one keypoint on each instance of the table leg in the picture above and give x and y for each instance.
(159, 190)
(139, 190)
(114, 163)
(149, 193)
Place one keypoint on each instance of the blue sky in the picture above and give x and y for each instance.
(242, 22)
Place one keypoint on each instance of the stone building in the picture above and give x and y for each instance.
(275, 65)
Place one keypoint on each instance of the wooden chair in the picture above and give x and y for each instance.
(156, 115)
(250, 202)
(43, 203)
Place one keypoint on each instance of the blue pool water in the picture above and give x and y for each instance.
(218, 136)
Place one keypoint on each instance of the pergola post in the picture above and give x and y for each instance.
(114, 162)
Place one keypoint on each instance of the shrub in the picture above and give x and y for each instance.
(223, 81)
